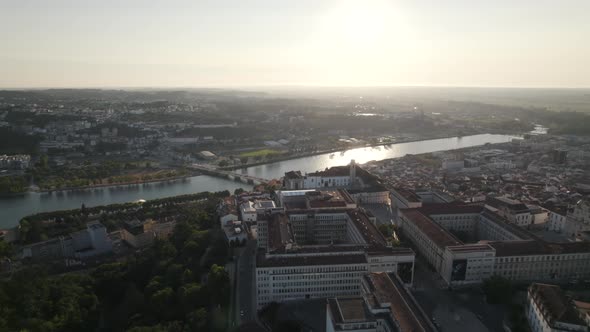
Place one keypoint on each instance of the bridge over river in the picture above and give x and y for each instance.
(245, 178)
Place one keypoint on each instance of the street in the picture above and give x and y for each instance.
(243, 298)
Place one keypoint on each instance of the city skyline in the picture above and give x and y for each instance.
(265, 43)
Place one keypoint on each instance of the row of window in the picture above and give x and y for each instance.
(314, 289)
(315, 269)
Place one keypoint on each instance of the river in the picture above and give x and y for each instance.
(363, 155)
(15, 207)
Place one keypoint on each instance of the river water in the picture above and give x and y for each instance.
(363, 155)
(12, 209)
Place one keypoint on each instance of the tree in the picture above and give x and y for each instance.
(197, 320)
(223, 163)
(218, 284)
(238, 191)
(498, 290)
(386, 230)
(162, 302)
(5, 249)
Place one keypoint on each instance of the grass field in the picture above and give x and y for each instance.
(260, 153)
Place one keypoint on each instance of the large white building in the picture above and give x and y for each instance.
(497, 247)
(321, 246)
(363, 186)
(550, 310)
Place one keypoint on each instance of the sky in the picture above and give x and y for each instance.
(243, 43)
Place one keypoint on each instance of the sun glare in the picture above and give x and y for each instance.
(360, 23)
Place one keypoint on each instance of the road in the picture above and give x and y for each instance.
(462, 310)
(246, 282)
(244, 286)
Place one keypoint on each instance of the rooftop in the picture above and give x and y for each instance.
(328, 198)
(555, 304)
(348, 310)
(471, 247)
(293, 175)
(408, 195)
(332, 171)
(512, 204)
(434, 231)
(279, 232)
(387, 289)
(370, 233)
(309, 260)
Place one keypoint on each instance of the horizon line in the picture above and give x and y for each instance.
(320, 86)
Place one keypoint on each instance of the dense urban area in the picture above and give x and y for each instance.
(493, 237)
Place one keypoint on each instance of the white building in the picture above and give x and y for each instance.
(250, 210)
(363, 186)
(578, 219)
(321, 246)
(550, 310)
(513, 252)
(557, 219)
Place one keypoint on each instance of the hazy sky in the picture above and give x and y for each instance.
(141, 43)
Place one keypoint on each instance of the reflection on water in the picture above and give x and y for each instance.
(363, 155)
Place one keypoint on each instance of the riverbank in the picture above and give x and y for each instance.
(119, 184)
(340, 150)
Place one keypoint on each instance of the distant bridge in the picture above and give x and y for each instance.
(245, 178)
